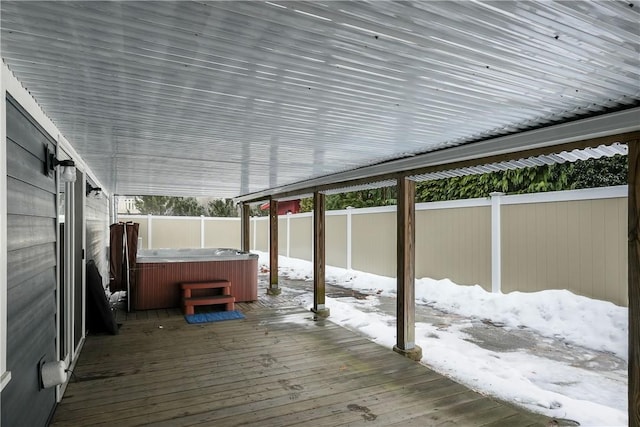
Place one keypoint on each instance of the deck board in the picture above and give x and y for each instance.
(277, 367)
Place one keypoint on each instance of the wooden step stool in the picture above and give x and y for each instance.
(189, 302)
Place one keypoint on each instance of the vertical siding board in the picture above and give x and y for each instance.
(477, 251)
(513, 240)
(536, 248)
(262, 238)
(599, 247)
(465, 246)
(519, 234)
(584, 249)
(484, 226)
(176, 233)
(516, 240)
(301, 237)
(454, 244)
(336, 235)
(449, 228)
(222, 234)
(282, 235)
(374, 243)
(31, 278)
(507, 250)
(624, 257)
(561, 240)
(611, 253)
(573, 247)
(528, 278)
(551, 252)
(551, 224)
(422, 243)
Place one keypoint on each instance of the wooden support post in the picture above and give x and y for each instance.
(273, 248)
(406, 304)
(634, 283)
(319, 307)
(245, 227)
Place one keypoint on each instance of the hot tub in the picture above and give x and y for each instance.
(160, 272)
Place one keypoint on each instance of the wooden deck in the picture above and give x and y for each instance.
(278, 367)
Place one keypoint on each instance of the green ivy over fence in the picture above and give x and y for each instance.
(603, 172)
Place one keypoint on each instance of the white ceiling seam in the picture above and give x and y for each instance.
(235, 98)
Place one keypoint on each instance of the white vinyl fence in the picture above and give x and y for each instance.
(573, 240)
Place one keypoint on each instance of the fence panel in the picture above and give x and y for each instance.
(301, 231)
(282, 235)
(454, 244)
(222, 233)
(172, 232)
(262, 234)
(374, 242)
(336, 240)
(575, 245)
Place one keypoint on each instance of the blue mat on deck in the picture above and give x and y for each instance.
(215, 316)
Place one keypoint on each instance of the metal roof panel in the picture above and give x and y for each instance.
(227, 98)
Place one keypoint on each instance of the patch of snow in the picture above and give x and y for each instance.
(551, 387)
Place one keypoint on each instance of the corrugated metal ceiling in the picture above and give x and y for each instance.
(227, 98)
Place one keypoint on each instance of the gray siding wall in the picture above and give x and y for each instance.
(31, 261)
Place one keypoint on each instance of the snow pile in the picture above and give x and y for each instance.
(557, 388)
(595, 324)
(599, 325)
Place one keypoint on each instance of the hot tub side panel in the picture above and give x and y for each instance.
(158, 284)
